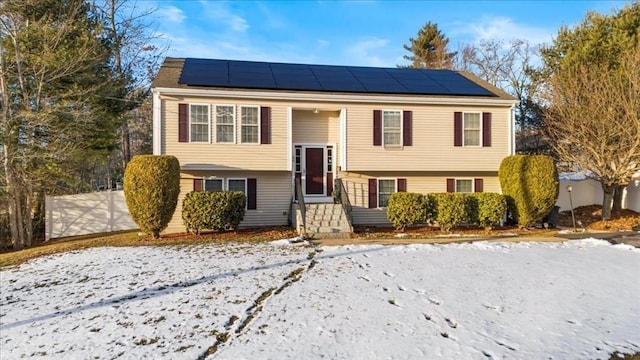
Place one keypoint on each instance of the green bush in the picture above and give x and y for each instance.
(451, 210)
(431, 205)
(151, 188)
(490, 209)
(213, 210)
(405, 209)
(530, 184)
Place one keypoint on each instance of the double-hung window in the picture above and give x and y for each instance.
(464, 185)
(213, 184)
(249, 125)
(199, 123)
(472, 131)
(386, 187)
(225, 123)
(392, 127)
(237, 185)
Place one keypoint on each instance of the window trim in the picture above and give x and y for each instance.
(395, 190)
(233, 123)
(479, 128)
(473, 185)
(208, 123)
(246, 189)
(204, 182)
(383, 111)
(258, 142)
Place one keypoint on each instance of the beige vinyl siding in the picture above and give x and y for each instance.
(273, 197)
(226, 156)
(310, 128)
(433, 147)
(357, 185)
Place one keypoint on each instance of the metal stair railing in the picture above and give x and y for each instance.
(343, 198)
(301, 205)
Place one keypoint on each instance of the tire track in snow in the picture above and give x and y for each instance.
(256, 308)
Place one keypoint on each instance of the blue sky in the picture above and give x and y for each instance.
(367, 33)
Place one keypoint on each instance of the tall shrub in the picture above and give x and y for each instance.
(151, 188)
(530, 183)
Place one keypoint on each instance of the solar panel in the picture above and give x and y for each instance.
(358, 79)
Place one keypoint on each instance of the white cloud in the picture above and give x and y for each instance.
(364, 52)
(171, 14)
(496, 27)
(219, 12)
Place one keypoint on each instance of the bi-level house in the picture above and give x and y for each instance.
(351, 135)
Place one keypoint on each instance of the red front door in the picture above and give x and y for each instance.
(314, 179)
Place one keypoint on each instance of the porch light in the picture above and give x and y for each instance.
(316, 111)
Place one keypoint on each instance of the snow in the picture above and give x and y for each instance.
(572, 300)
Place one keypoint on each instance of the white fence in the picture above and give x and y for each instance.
(82, 214)
(589, 192)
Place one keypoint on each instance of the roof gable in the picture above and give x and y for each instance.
(327, 78)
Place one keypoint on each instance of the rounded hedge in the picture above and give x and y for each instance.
(213, 210)
(452, 210)
(406, 209)
(151, 188)
(530, 184)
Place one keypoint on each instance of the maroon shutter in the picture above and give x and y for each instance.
(486, 129)
(451, 185)
(373, 193)
(183, 123)
(479, 185)
(251, 194)
(198, 184)
(457, 128)
(407, 131)
(265, 125)
(377, 127)
(402, 185)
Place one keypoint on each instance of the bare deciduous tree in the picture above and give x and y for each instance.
(594, 121)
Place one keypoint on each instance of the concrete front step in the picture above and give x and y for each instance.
(338, 235)
(326, 219)
(316, 222)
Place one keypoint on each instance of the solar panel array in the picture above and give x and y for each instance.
(355, 79)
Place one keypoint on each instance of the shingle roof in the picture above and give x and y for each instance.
(210, 73)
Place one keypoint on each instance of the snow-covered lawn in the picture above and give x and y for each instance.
(574, 300)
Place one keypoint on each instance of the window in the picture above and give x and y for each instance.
(298, 159)
(237, 185)
(471, 126)
(392, 127)
(213, 185)
(225, 123)
(199, 123)
(250, 125)
(464, 185)
(385, 189)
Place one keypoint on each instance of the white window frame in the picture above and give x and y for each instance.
(395, 189)
(208, 123)
(479, 128)
(384, 144)
(246, 193)
(215, 114)
(241, 125)
(473, 185)
(231, 179)
(210, 178)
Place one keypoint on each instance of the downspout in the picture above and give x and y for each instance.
(157, 124)
(512, 131)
